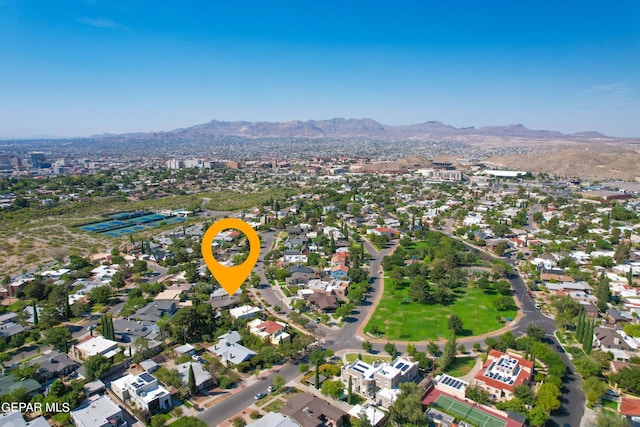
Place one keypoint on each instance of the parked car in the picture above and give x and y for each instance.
(260, 395)
(271, 389)
(538, 306)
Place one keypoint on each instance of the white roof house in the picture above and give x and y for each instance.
(95, 345)
(244, 312)
(100, 412)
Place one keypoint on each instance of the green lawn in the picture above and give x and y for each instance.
(274, 406)
(368, 358)
(610, 404)
(462, 366)
(399, 319)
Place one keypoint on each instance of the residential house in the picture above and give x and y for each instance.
(292, 256)
(9, 326)
(300, 275)
(172, 295)
(310, 411)
(100, 412)
(614, 340)
(323, 302)
(244, 312)
(615, 317)
(229, 350)
(152, 312)
(127, 331)
(339, 272)
(90, 346)
(143, 391)
(54, 364)
(545, 261)
(201, 375)
(274, 420)
(375, 416)
(185, 349)
(340, 258)
(370, 380)
(274, 331)
(630, 408)
(385, 231)
(15, 419)
(9, 384)
(502, 372)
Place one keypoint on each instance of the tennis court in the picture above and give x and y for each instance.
(129, 222)
(468, 412)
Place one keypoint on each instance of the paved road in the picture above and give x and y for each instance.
(346, 338)
(242, 399)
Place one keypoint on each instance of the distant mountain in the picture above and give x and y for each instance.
(343, 128)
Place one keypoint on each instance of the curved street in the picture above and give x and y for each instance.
(348, 338)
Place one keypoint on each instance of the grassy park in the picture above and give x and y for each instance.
(396, 318)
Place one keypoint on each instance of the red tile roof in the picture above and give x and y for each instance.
(630, 406)
(270, 327)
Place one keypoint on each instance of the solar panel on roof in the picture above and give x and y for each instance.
(145, 376)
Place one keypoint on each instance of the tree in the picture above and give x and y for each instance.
(433, 348)
(500, 248)
(238, 422)
(332, 388)
(622, 253)
(548, 397)
(504, 302)
(537, 416)
(502, 287)
(363, 418)
(58, 338)
(580, 326)
(628, 379)
(604, 294)
(407, 408)
(278, 381)
(455, 324)
(350, 391)
(117, 280)
(594, 389)
(191, 382)
(536, 332)
(95, 366)
(107, 327)
(449, 355)
(587, 340)
(478, 394)
(139, 266)
(525, 394)
(420, 290)
(391, 349)
(367, 346)
(100, 295)
(609, 419)
(35, 313)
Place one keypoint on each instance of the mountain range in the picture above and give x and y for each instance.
(343, 128)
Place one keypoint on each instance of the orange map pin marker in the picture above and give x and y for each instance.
(230, 278)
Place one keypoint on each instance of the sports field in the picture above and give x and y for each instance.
(468, 412)
(129, 222)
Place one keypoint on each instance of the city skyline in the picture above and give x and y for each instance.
(79, 68)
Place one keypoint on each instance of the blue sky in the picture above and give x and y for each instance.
(83, 67)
